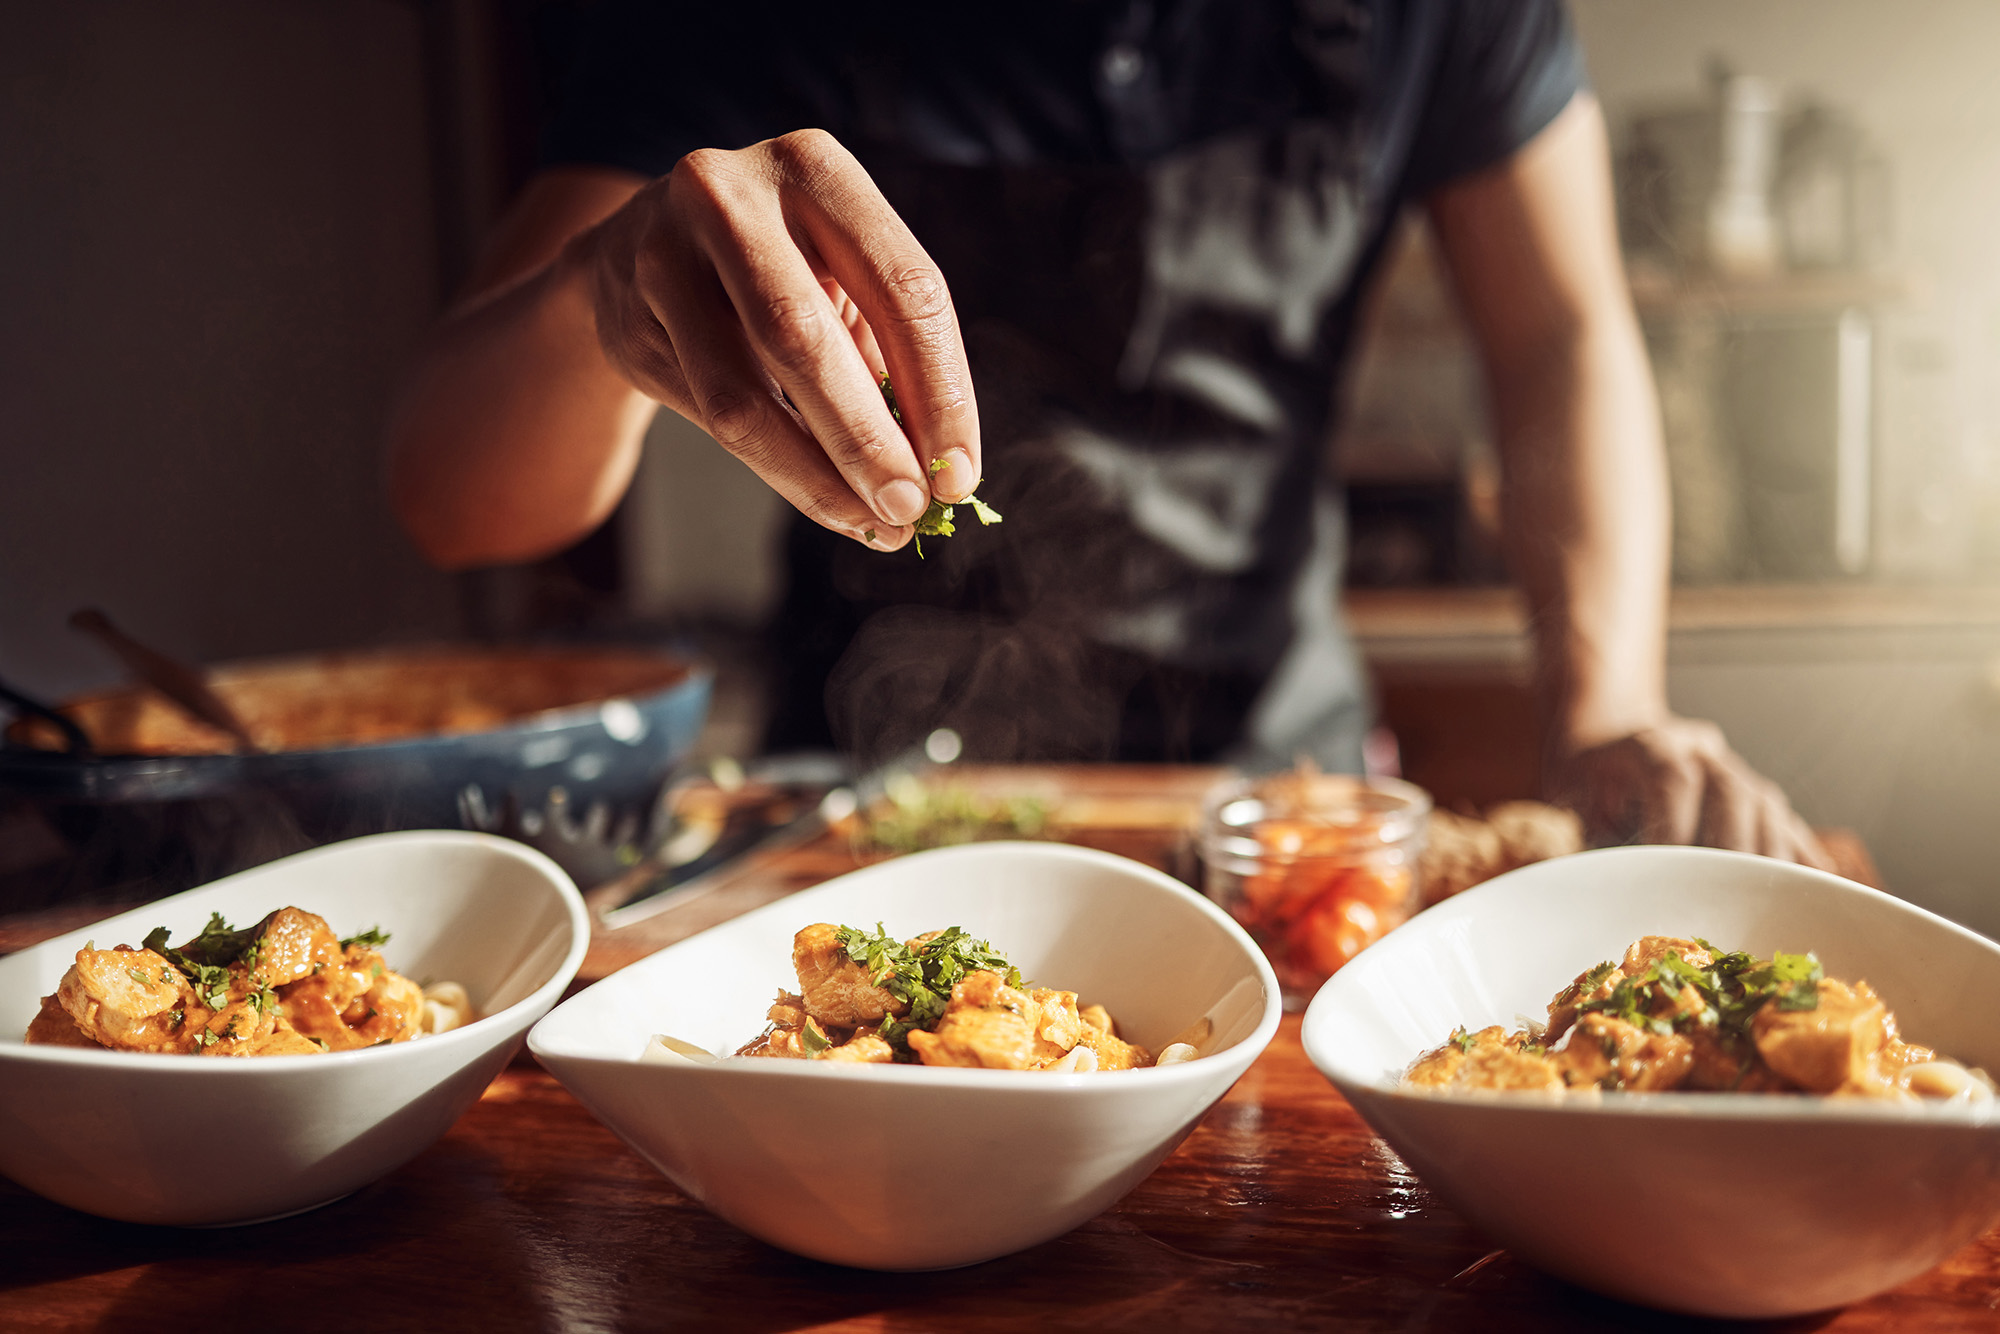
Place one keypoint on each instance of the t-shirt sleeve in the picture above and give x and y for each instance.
(1505, 69)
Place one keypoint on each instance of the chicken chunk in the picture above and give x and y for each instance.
(293, 944)
(1564, 1008)
(1508, 1067)
(52, 1027)
(1058, 1025)
(1720, 1062)
(391, 1010)
(836, 989)
(987, 1023)
(1492, 1058)
(1436, 1069)
(862, 1049)
(131, 1000)
(1114, 1053)
(353, 1001)
(1644, 951)
(1609, 1053)
(238, 1028)
(1832, 1046)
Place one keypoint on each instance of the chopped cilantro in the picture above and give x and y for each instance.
(937, 518)
(1731, 990)
(814, 1039)
(922, 978)
(373, 938)
(205, 960)
(1461, 1039)
(920, 815)
(143, 978)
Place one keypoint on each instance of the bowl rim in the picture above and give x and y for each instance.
(1246, 1050)
(1721, 1107)
(474, 1033)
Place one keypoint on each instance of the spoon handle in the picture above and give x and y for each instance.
(175, 679)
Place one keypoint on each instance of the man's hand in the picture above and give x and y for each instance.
(761, 294)
(1679, 782)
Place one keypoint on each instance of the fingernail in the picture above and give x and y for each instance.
(901, 501)
(955, 479)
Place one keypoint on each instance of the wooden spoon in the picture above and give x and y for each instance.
(182, 684)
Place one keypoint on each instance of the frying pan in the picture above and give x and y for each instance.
(567, 749)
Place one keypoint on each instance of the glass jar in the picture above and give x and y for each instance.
(1316, 867)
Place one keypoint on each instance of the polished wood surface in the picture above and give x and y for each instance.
(1280, 1211)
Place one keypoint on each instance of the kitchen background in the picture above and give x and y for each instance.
(227, 224)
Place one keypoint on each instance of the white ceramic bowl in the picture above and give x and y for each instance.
(1715, 1204)
(194, 1140)
(904, 1167)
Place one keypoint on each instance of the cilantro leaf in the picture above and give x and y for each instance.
(373, 938)
(922, 978)
(205, 960)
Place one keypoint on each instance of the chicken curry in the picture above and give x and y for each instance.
(287, 986)
(942, 998)
(1683, 1014)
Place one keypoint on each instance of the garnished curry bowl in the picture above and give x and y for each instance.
(1723, 1204)
(206, 1140)
(841, 1161)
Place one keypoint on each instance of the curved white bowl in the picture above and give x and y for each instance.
(189, 1140)
(1716, 1204)
(901, 1167)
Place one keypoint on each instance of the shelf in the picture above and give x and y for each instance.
(1490, 625)
(1659, 295)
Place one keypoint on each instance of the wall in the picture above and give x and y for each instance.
(217, 248)
(1918, 77)
(1893, 734)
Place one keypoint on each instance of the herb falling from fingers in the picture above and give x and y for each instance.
(937, 518)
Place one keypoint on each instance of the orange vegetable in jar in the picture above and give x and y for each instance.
(1316, 867)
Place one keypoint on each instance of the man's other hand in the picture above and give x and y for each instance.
(1679, 782)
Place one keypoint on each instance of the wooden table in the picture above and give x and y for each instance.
(1281, 1211)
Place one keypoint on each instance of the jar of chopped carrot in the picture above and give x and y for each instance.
(1316, 866)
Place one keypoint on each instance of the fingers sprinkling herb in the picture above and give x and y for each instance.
(937, 520)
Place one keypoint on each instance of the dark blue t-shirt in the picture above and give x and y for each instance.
(1155, 220)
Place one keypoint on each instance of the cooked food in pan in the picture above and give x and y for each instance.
(941, 998)
(286, 986)
(1683, 1014)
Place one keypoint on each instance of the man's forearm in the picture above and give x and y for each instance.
(1534, 252)
(514, 436)
(1586, 514)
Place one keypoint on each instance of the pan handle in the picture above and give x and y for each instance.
(74, 737)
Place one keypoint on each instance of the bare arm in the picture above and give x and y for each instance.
(1533, 249)
(514, 436)
(759, 293)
